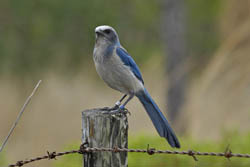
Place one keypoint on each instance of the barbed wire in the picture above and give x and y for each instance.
(150, 151)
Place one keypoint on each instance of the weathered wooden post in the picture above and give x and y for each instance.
(102, 129)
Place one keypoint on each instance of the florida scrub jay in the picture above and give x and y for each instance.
(117, 68)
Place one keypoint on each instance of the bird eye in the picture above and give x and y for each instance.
(107, 31)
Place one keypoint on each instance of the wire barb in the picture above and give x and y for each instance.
(150, 151)
(228, 153)
(192, 154)
(83, 147)
(116, 149)
(19, 163)
(51, 155)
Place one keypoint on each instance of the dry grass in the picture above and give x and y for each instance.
(220, 98)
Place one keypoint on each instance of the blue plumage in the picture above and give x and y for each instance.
(160, 122)
(128, 61)
(112, 63)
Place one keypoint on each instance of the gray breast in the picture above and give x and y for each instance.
(118, 76)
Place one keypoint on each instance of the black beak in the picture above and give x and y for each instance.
(99, 33)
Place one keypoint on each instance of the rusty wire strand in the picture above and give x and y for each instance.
(150, 151)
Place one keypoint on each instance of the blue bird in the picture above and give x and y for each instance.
(118, 69)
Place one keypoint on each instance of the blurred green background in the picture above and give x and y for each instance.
(40, 36)
(140, 159)
(193, 55)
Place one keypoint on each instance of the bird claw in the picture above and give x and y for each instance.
(120, 110)
(116, 110)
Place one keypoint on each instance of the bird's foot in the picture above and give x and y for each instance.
(120, 110)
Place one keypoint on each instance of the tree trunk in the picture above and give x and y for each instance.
(174, 36)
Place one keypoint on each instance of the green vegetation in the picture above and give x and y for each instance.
(43, 34)
(3, 161)
(58, 36)
(71, 160)
(203, 29)
(238, 144)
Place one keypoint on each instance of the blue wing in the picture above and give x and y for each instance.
(128, 61)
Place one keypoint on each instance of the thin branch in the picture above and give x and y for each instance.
(20, 114)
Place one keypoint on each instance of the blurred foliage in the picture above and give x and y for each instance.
(71, 160)
(238, 144)
(202, 29)
(3, 161)
(58, 35)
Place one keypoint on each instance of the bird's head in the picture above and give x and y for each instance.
(106, 33)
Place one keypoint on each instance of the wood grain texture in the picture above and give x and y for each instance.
(102, 129)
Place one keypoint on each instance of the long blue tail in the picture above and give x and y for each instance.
(160, 122)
